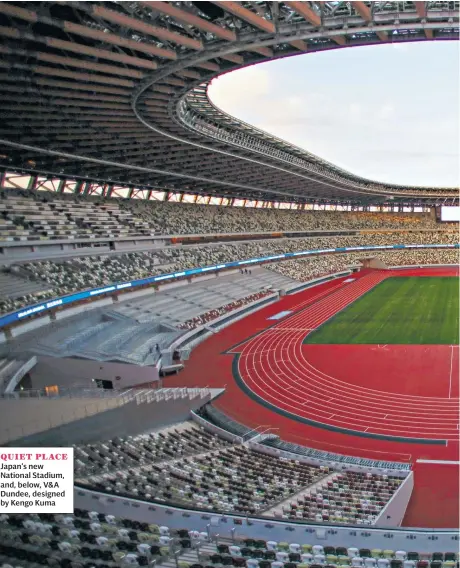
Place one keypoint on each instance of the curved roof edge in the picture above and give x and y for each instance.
(101, 91)
(224, 117)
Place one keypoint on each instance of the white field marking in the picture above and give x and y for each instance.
(331, 416)
(290, 329)
(285, 341)
(294, 391)
(442, 462)
(368, 427)
(450, 374)
(385, 416)
(264, 351)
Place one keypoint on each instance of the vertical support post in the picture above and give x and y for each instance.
(33, 182)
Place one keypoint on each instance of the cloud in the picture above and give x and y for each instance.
(354, 109)
(240, 88)
(385, 111)
(369, 110)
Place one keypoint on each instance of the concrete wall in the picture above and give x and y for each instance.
(62, 314)
(20, 374)
(69, 371)
(361, 536)
(206, 277)
(127, 420)
(30, 325)
(25, 417)
(393, 513)
(216, 430)
(131, 295)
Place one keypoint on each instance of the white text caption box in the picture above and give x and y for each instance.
(36, 480)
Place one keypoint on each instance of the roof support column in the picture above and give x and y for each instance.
(78, 187)
(108, 190)
(2, 178)
(32, 182)
(86, 188)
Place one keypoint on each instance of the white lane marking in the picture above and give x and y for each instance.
(450, 374)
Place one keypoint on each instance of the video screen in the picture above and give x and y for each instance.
(450, 214)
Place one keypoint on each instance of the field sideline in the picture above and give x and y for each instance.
(398, 311)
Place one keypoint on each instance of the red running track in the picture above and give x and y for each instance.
(365, 383)
(277, 368)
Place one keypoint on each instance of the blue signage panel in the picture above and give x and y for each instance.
(78, 296)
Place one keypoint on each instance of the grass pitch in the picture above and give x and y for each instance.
(398, 311)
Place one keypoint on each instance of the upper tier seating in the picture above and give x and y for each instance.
(182, 218)
(41, 215)
(93, 271)
(303, 270)
(12, 286)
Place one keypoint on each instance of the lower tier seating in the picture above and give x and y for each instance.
(88, 539)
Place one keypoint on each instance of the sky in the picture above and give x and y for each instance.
(389, 113)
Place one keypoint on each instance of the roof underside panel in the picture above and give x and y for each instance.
(117, 92)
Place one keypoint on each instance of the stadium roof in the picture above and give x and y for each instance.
(116, 92)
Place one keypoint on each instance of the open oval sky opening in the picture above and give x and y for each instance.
(389, 113)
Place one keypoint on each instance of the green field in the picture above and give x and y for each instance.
(401, 310)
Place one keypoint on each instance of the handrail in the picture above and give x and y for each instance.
(256, 429)
(75, 391)
(263, 433)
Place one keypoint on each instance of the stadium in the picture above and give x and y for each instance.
(252, 352)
